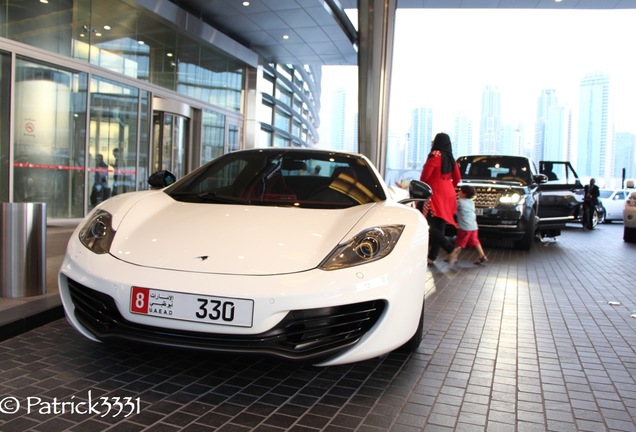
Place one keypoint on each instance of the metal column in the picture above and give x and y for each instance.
(376, 24)
(22, 249)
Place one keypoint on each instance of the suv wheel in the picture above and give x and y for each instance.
(526, 242)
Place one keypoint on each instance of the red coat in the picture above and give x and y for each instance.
(444, 199)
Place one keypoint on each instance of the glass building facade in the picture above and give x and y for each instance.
(97, 94)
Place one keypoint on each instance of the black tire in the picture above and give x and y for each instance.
(527, 240)
(415, 341)
(595, 219)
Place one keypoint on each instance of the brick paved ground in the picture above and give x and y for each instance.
(529, 342)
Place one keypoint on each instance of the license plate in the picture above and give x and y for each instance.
(192, 307)
(479, 211)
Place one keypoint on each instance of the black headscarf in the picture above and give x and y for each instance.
(442, 143)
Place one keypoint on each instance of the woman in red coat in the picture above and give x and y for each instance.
(441, 173)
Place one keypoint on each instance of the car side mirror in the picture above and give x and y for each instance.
(540, 178)
(161, 179)
(418, 191)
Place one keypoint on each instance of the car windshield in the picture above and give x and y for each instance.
(282, 177)
(500, 168)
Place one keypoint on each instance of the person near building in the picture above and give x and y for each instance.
(590, 201)
(442, 174)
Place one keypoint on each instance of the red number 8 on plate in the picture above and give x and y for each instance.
(139, 300)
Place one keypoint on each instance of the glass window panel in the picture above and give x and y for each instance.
(121, 38)
(265, 113)
(5, 102)
(266, 85)
(207, 75)
(283, 94)
(296, 129)
(213, 139)
(233, 137)
(280, 141)
(144, 142)
(264, 138)
(49, 140)
(44, 25)
(282, 120)
(112, 139)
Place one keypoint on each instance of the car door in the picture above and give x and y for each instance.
(561, 195)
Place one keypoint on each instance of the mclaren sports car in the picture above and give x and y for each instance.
(302, 254)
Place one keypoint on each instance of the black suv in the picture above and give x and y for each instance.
(515, 202)
(507, 201)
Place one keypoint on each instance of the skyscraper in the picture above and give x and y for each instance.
(421, 136)
(490, 127)
(547, 99)
(337, 120)
(594, 135)
(462, 136)
(625, 146)
(556, 134)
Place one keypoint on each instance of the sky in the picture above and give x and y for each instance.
(444, 57)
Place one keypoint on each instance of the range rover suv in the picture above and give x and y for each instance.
(515, 202)
(507, 201)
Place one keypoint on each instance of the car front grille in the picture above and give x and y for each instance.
(307, 335)
(487, 198)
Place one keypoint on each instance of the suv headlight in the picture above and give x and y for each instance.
(512, 199)
(370, 245)
(97, 233)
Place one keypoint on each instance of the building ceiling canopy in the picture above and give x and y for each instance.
(317, 32)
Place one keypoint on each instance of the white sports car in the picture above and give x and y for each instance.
(302, 254)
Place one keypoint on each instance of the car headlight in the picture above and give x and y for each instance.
(370, 245)
(631, 201)
(97, 233)
(511, 199)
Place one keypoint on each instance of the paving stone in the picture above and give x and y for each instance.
(527, 342)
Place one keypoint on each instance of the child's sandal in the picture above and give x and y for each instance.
(481, 260)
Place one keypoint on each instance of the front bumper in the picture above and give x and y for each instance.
(507, 224)
(323, 317)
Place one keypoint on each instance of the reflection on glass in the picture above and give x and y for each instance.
(50, 118)
(113, 139)
(5, 102)
(170, 143)
(213, 138)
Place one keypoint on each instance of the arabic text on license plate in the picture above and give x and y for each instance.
(191, 307)
(479, 211)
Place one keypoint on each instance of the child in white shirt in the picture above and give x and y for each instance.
(467, 229)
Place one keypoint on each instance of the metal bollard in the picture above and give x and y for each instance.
(22, 249)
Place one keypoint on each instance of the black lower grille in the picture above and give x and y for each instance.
(307, 335)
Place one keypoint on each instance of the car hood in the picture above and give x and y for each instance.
(160, 232)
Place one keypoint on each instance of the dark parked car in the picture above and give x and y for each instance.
(517, 203)
(507, 201)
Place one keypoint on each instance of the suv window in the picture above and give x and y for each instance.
(503, 168)
(558, 173)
